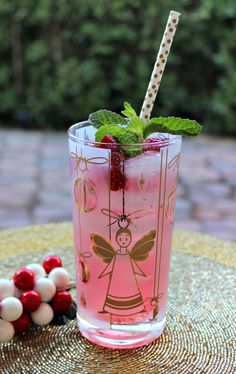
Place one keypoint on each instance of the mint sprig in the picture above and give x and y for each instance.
(172, 125)
(106, 117)
(131, 129)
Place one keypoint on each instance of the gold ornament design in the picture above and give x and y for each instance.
(86, 201)
(170, 205)
(83, 302)
(120, 300)
(151, 306)
(85, 195)
(85, 189)
(85, 254)
(84, 272)
(174, 163)
(83, 162)
(141, 181)
(123, 220)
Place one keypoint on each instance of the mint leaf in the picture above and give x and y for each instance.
(136, 125)
(129, 111)
(105, 117)
(123, 136)
(172, 125)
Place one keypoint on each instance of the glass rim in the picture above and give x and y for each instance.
(161, 142)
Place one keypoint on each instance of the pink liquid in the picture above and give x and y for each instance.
(120, 300)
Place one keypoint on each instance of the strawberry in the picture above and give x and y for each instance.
(153, 147)
(117, 177)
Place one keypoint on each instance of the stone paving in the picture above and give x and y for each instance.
(34, 182)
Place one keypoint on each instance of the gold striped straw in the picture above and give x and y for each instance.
(159, 65)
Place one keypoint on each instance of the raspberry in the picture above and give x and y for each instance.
(117, 177)
(156, 147)
(109, 140)
(117, 156)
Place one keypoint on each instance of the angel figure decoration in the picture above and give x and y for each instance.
(123, 297)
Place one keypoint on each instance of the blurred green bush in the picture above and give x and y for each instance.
(62, 59)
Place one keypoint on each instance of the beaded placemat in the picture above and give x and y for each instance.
(199, 336)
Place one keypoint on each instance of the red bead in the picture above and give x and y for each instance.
(62, 301)
(22, 323)
(51, 262)
(24, 279)
(30, 301)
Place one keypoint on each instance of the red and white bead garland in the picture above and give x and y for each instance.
(34, 295)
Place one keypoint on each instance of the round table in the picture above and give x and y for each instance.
(200, 333)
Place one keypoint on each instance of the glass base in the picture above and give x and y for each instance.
(122, 336)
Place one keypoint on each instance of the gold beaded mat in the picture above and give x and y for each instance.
(199, 336)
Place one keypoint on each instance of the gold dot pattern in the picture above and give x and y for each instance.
(159, 65)
(200, 330)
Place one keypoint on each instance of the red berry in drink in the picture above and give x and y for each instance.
(24, 279)
(153, 147)
(117, 180)
(111, 142)
(62, 301)
(51, 262)
(21, 324)
(117, 176)
(30, 301)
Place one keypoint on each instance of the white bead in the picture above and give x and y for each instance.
(60, 277)
(6, 288)
(11, 308)
(37, 269)
(46, 288)
(43, 315)
(6, 331)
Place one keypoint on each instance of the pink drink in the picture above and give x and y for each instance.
(122, 239)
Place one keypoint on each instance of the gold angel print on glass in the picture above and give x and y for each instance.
(123, 297)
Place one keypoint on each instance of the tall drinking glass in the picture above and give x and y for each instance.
(123, 215)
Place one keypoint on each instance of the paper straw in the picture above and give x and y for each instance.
(159, 65)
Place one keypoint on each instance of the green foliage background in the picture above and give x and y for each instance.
(62, 59)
